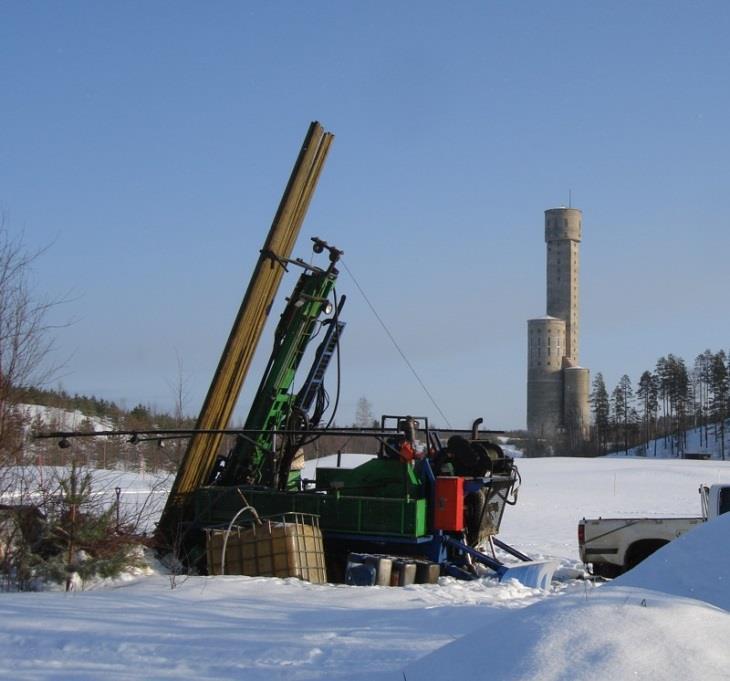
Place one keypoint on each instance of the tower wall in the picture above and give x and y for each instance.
(545, 349)
(576, 392)
(563, 233)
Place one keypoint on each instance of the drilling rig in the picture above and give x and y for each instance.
(439, 507)
(429, 495)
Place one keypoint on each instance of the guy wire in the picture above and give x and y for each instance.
(395, 344)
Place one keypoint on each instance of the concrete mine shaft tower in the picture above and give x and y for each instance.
(557, 387)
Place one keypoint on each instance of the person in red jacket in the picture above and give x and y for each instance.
(407, 452)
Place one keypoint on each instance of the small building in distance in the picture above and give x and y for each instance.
(557, 386)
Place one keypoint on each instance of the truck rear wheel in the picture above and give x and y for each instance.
(641, 550)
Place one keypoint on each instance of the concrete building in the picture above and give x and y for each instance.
(557, 387)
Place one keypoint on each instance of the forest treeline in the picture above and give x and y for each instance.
(141, 454)
(141, 417)
(99, 414)
(664, 403)
(660, 406)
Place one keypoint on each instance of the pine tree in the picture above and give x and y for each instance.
(674, 391)
(600, 408)
(681, 398)
(719, 394)
(364, 413)
(647, 393)
(84, 538)
(662, 374)
(702, 379)
(623, 411)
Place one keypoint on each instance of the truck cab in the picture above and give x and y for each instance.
(715, 500)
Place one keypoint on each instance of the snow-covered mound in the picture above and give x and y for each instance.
(669, 618)
(607, 634)
(696, 565)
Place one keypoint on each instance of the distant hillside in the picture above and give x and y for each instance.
(42, 417)
(702, 440)
(55, 410)
(60, 399)
(75, 409)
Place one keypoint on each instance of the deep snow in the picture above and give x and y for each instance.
(668, 619)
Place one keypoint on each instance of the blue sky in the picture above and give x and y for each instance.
(149, 144)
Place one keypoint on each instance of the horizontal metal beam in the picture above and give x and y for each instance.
(182, 432)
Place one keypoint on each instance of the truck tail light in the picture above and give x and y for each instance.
(581, 534)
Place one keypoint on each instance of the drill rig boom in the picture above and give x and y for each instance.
(275, 407)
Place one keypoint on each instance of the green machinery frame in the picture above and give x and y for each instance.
(262, 460)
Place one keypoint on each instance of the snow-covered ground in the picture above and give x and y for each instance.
(141, 496)
(668, 619)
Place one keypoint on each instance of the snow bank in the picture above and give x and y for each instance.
(696, 565)
(608, 634)
(669, 618)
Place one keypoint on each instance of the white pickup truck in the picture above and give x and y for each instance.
(615, 545)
